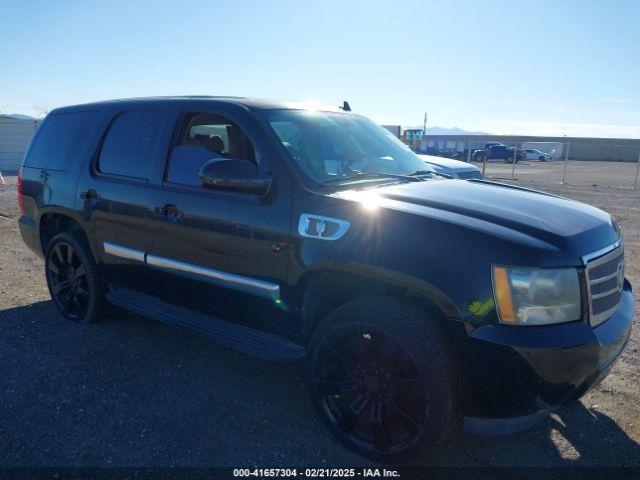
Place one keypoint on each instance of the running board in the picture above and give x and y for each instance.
(237, 337)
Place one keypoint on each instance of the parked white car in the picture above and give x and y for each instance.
(532, 154)
(455, 168)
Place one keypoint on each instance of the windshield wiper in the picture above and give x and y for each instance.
(382, 176)
(419, 173)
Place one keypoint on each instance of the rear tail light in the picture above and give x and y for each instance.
(19, 186)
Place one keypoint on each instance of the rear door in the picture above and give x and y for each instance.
(221, 253)
(116, 195)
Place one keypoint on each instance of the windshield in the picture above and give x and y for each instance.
(335, 147)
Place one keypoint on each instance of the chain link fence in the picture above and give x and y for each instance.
(9, 171)
(570, 169)
(608, 164)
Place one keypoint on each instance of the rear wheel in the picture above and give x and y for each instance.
(72, 278)
(381, 376)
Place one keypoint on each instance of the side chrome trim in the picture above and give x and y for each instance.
(123, 252)
(229, 280)
(253, 286)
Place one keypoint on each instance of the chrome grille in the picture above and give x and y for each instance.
(466, 174)
(605, 280)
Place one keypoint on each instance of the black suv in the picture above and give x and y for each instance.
(287, 231)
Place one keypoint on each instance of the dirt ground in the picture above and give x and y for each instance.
(618, 175)
(133, 392)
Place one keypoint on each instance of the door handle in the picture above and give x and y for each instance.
(169, 211)
(90, 194)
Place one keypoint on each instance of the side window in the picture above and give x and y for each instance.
(205, 136)
(130, 144)
(60, 139)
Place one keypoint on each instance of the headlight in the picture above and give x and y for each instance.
(536, 296)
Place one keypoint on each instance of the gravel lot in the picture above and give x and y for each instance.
(133, 392)
(546, 175)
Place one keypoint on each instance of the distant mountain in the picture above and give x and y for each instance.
(18, 116)
(449, 131)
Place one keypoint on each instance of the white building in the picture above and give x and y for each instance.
(15, 134)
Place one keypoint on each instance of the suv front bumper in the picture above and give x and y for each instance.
(515, 376)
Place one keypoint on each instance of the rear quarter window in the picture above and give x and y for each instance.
(60, 139)
(129, 147)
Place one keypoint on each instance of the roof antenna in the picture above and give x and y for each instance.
(345, 106)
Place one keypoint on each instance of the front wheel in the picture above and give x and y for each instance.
(72, 278)
(381, 375)
(542, 159)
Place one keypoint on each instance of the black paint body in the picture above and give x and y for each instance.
(435, 239)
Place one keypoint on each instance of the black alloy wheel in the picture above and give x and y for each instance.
(72, 278)
(373, 385)
(68, 280)
(371, 389)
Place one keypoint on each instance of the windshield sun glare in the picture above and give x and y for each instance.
(331, 147)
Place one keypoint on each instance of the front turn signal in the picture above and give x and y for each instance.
(504, 300)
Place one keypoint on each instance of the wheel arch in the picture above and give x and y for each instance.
(57, 221)
(327, 287)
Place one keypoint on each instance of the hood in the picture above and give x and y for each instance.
(514, 213)
(448, 163)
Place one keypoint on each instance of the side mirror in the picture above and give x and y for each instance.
(233, 175)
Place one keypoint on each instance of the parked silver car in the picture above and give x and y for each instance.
(533, 154)
(455, 168)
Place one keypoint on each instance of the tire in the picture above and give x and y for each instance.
(381, 374)
(73, 280)
(542, 159)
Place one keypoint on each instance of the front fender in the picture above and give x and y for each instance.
(413, 285)
(446, 262)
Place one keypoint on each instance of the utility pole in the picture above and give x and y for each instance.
(635, 182)
(566, 161)
(424, 124)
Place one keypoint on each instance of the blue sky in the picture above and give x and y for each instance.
(537, 67)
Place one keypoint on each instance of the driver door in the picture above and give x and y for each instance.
(221, 253)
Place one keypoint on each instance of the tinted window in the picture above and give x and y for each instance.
(60, 139)
(203, 137)
(130, 144)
